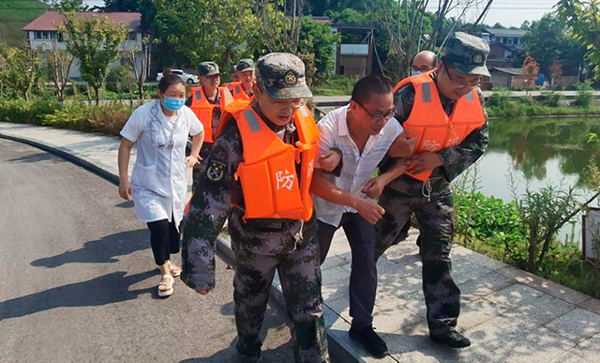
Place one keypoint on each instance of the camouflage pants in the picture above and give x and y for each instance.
(300, 276)
(442, 296)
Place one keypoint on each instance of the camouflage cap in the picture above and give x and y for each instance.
(244, 65)
(208, 69)
(467, 53)
(282, 76)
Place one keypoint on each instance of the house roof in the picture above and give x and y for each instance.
(505, 32)
(511, 71)
(48, 20)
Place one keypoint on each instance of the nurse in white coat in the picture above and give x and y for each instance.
(158, 185)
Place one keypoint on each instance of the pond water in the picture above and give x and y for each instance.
(540, 152)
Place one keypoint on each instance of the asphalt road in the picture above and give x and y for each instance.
(78, 282)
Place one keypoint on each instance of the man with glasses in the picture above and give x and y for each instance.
(423, 61)
(444, 110)
(259, 174)
(363, 132)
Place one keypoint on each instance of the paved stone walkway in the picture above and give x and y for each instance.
(509, 315)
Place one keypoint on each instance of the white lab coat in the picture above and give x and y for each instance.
(158, 180)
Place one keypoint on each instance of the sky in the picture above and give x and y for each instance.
(505, 12)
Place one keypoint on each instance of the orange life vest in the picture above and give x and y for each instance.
(204, 109)
(268, 172)
(428, 121)
(237, 91)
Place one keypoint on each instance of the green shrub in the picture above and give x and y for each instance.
(107, 119)
(585, 95)
(21, 111)
(553, 99)
(499, 97)
(336, 86)
(500, 230)
(121, 79)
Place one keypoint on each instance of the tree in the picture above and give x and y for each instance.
(95, 41)
(410, 28)
(123, 5)
(547, 40)
(525, 25)
(530, 71)
(58, 63)
(555, 73)
(139, 64)
(22, 65)
(278, 27)
(319, 41)
(3, 68)
(201, 30)
(583, 21)
(68, 5)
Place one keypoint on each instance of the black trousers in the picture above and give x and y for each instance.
(363, 276)
(164, 239)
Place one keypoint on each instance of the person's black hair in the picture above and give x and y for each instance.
(169, 80)
(371, 84)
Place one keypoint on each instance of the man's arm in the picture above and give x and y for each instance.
(209, 208)
(327, 190)
(458, 158)
(374, 187)
(403, 146)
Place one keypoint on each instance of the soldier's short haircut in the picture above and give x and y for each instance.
(169, 80)
(371, 84)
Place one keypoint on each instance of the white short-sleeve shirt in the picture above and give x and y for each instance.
(357, 168)
(158, 179)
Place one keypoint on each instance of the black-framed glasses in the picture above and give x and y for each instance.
(461, 85)
(378, 116)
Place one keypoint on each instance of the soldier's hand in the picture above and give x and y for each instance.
(329, 161)
(369, 210)
(192, 160)
(423, 162)
(403, 146)
(125, 190)
(202, 292)
(374, 187)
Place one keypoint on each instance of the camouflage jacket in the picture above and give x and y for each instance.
(454, 159)
(219, 196)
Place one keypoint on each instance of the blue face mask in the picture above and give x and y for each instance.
(173, 104)
(413, 73)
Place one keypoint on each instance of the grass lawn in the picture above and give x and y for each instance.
(14, 15)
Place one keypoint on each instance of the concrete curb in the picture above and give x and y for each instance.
(337, 349)
(69, 155)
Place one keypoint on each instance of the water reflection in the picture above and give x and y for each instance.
(542, 151)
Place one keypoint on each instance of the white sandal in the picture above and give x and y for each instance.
(175, 270)
(168, 283)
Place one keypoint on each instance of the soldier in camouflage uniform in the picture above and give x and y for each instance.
(462, 65)
(261, 246)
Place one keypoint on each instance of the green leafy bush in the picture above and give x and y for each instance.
(503, 231)
(585, 95)
(121, 79)
(553, 99)
(21, 111)
(107, 119)
(336, 86)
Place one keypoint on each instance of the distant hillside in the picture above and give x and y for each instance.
(14, 14)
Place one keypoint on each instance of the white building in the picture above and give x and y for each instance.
(43, 30)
